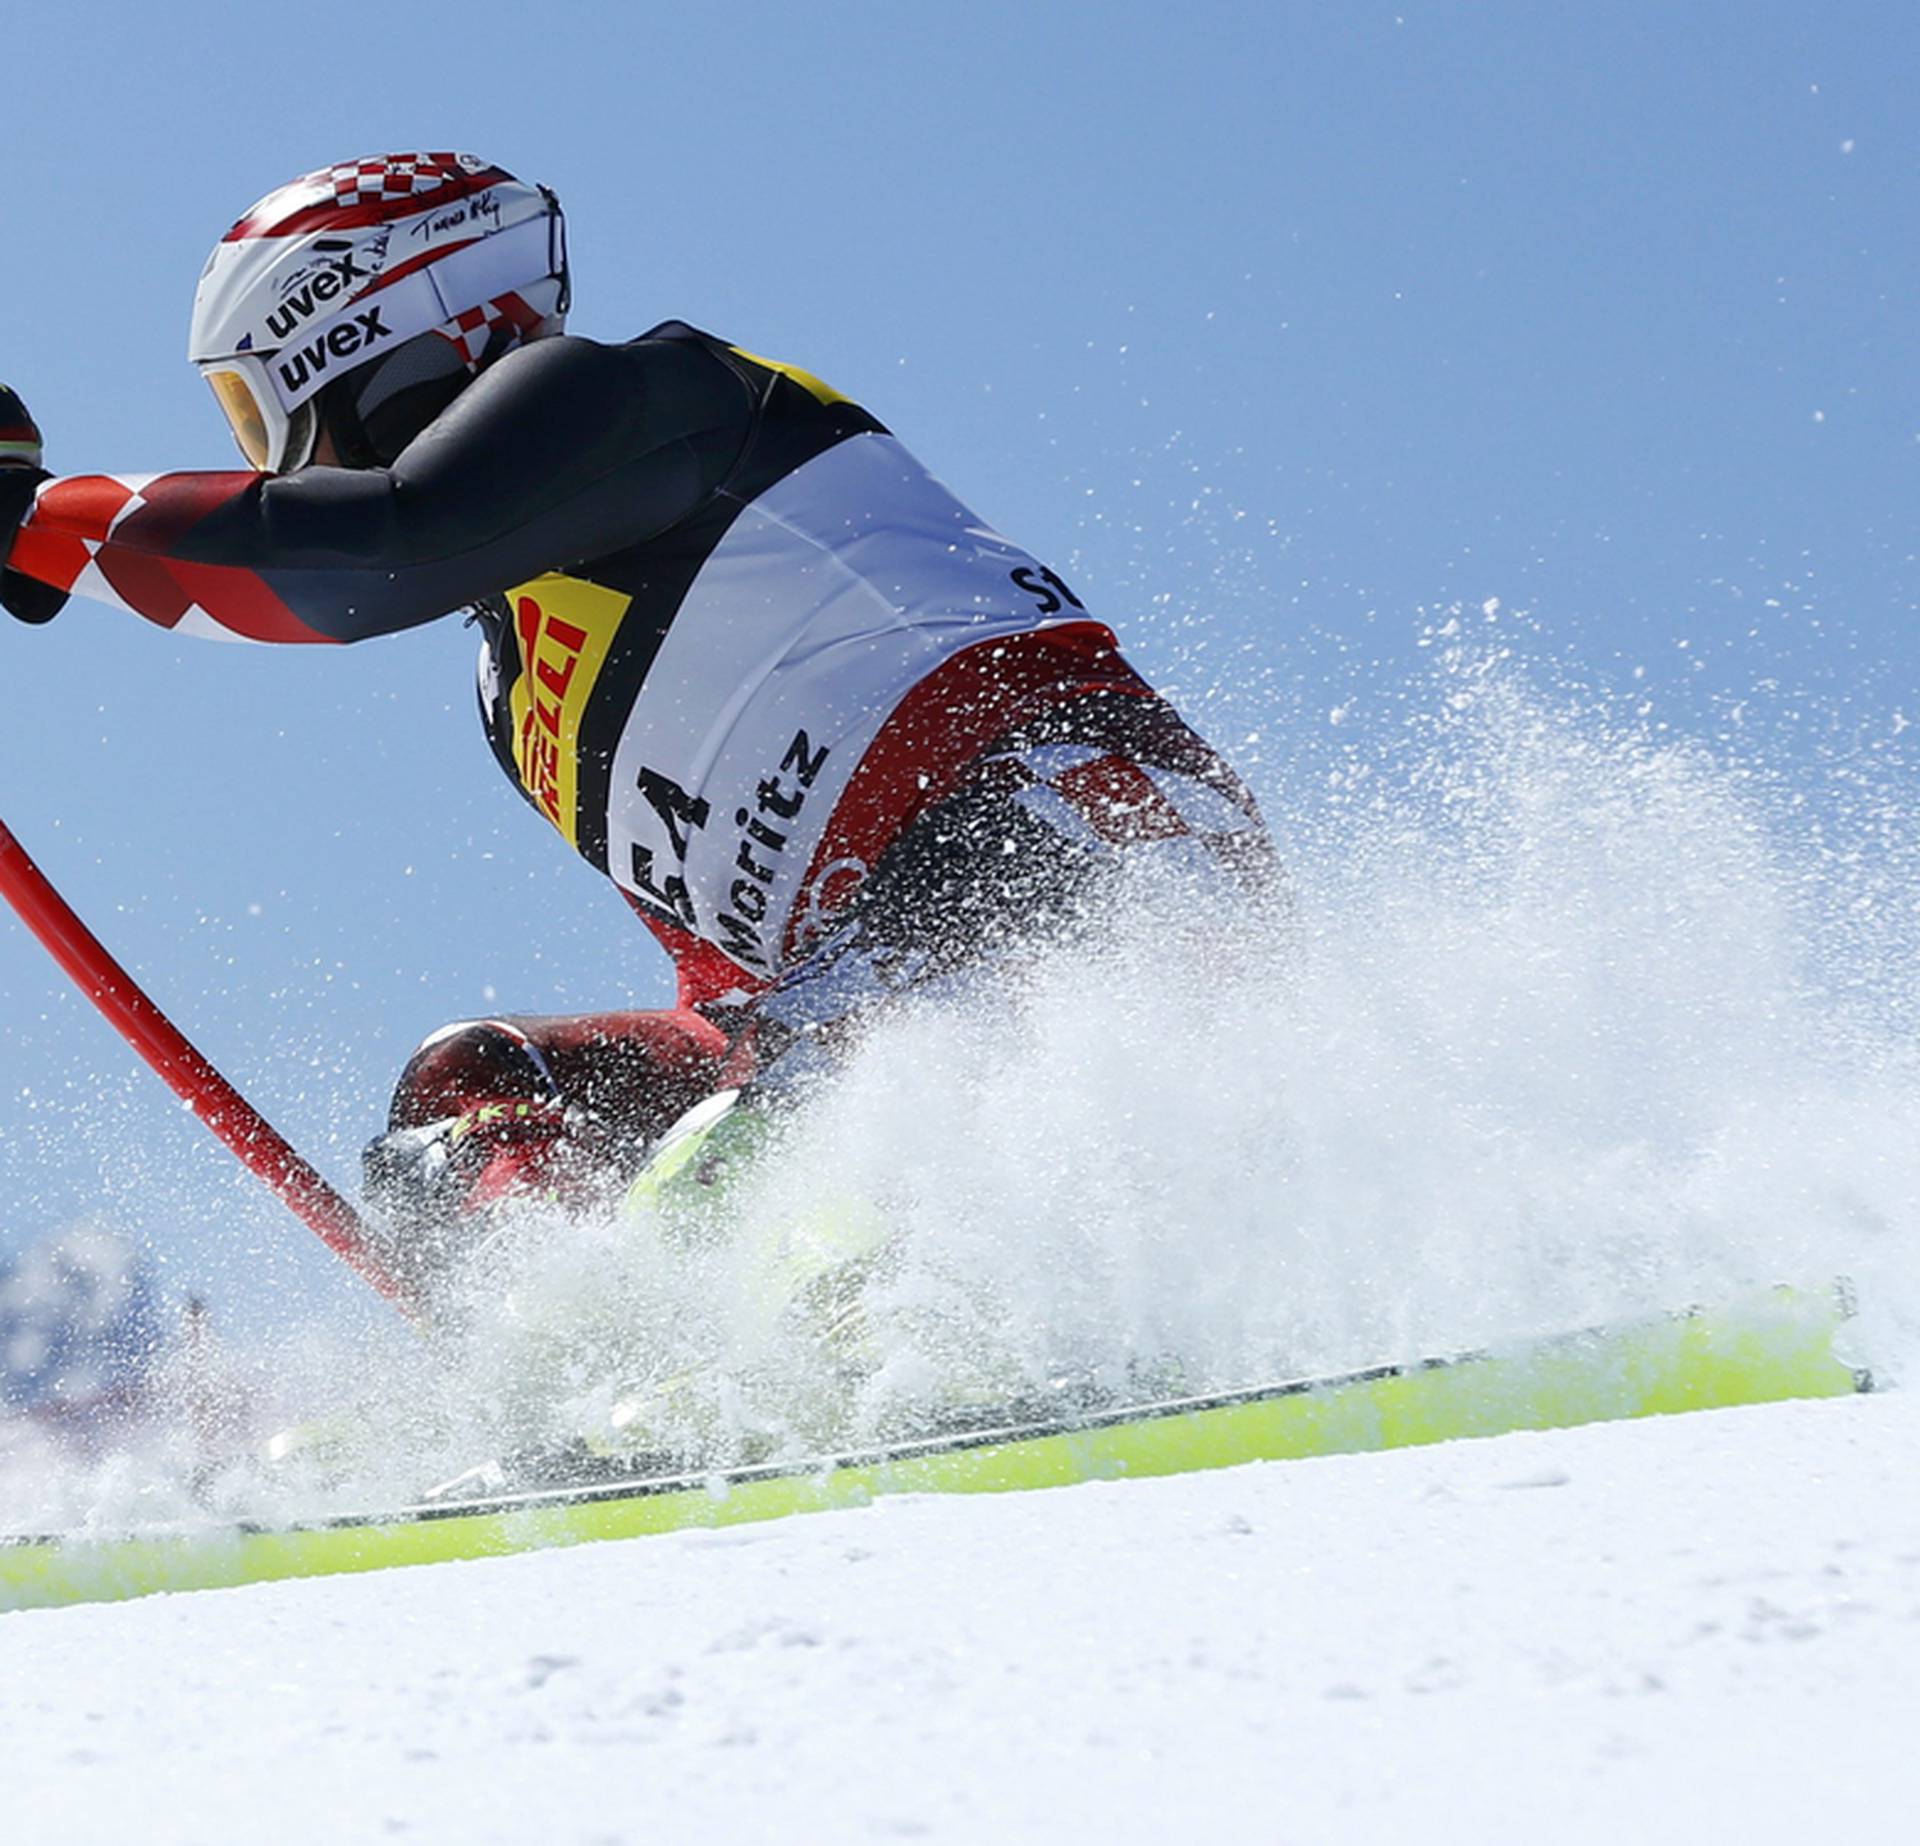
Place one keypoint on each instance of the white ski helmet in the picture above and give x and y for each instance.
(404, 274)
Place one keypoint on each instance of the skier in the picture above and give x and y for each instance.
(827, 732)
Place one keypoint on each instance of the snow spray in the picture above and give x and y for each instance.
(1570, 1017)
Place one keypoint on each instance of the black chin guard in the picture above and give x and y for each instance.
(372, 414)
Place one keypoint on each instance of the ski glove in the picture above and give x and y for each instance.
(19, 436)
(20, 474)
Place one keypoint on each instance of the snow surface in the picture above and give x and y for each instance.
(1696, 1629)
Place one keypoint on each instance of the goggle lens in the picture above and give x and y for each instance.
(242, 411)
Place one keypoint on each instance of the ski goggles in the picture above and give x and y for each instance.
(267, 399)
(261, 426)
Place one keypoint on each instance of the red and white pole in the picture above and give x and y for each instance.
(217, 1103)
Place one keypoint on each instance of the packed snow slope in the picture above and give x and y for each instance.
(1691, 1629)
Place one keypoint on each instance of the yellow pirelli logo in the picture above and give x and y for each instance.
(564, 628)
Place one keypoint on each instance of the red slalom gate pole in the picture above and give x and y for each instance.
(211, 1097)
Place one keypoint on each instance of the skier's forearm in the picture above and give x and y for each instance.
(105, 537)
(568, 453)
(331, 556)
(326, 556)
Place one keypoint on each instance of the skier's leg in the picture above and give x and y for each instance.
(556, 1107)
(1032, 843)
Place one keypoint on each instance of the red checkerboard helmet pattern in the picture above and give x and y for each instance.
(388, 177)
(478, 328)
(345, 266)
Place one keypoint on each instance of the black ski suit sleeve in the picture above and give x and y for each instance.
(563, 451)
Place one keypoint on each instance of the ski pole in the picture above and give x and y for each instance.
(212, 1098)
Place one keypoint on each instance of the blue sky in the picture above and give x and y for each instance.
(1279, 327)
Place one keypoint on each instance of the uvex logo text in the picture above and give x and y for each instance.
(313, 294)
(341, 342)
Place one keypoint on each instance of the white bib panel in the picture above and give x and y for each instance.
(830, 597)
